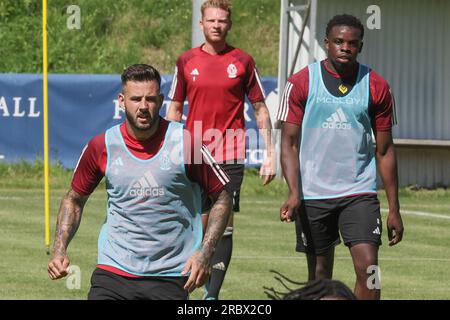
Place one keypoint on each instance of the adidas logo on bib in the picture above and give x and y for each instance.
(337, 121)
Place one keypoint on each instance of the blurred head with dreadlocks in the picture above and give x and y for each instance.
(319, 289)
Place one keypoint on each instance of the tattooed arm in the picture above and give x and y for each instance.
(69, 217)
(262, 115)
(200, 263)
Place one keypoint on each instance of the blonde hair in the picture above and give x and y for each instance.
(222, 4)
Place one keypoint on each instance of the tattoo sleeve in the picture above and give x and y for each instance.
(69, 217)
(262, 116)
(217, 221)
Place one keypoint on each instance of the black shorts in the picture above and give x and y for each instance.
(236, 174)
(319, 222)
(106, 285)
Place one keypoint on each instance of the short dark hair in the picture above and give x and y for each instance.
(140, 73)
(321, 288)
(345, 20)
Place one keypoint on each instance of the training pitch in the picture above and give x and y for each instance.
(417, 268)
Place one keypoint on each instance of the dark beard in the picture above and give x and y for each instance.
(134, 123)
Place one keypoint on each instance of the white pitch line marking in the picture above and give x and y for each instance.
(407, 212)
(340, 258)
(421, 213)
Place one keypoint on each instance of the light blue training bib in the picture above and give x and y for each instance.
(153, 222)
(337, 155)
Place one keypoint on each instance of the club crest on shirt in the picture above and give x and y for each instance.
(116, 164)
(343, 89)
(232, 71)
(165, 161)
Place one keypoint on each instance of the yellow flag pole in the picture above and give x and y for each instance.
(45, 105)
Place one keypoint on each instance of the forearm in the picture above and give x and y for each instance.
(69, 217)
(387, 168)
(175, 112)
(291, 167)
(217, 221)
(262, 116)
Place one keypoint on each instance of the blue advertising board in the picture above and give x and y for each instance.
(80, 107)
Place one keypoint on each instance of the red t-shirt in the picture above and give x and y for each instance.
(92, 164)
(215, 87)
(295, 96)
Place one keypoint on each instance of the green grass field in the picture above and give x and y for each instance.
(415, 269)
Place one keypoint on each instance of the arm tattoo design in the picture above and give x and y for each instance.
(69, 217)
(217, 221)
(263, 122)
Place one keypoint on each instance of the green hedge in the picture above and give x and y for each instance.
(115, 34)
